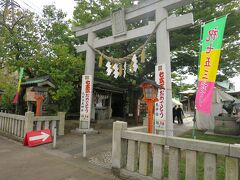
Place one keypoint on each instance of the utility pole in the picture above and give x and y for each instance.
(9, 5)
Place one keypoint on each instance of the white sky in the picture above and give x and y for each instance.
(68, 6)
(36, 5)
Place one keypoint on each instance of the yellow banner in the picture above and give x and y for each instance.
(209, 65)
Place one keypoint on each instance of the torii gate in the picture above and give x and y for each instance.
(118, 21)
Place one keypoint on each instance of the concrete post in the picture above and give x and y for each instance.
(210, 162)
(84, 145)
(158, 161)
(55, 137)
(132, 155)
(173, 165)
(28, 122)
(163, 57)
(61, 116)
(89, 70)
(90, 56)
(119, 146)
(232, 168)
(144, 158)
(191, 165)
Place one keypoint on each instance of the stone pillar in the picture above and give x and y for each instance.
(61, 116)
(191, 165)
(231, 168)
(90, 56)
(163, 57)
(29, 116)
(132, 155)
(89, 70)
(210, 163)
(158, 161)
(174, 163)
(119, 146)
(144, 158)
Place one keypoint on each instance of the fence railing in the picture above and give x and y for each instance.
(141, 154)
(17, 125)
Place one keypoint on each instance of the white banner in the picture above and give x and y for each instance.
(160, 105)
(86, 101)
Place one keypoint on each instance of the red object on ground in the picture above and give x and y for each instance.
(35, 138)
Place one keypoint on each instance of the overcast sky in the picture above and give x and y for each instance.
(68, 6)
(37, 5)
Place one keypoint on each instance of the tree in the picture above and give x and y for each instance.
(18, 34)
(58, 59)
(8, 83)
(185, 43)
(44, 46)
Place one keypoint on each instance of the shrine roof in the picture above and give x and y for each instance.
(107, 86)
(188, 92)
(233, 92)
(39, 81)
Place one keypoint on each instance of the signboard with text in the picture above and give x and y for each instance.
(86, 101)
(160, 105)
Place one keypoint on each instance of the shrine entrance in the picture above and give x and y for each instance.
(118, 22)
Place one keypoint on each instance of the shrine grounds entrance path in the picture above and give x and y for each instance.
(65, 162)
(22, 163)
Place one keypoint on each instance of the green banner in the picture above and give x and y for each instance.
(213, 34)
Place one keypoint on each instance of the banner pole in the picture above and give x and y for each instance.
(198, 65)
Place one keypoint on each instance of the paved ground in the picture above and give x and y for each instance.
(65, 162)
(22, 163)
(181, 128)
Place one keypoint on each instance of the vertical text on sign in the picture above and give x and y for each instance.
(160, 105)
(86, 98)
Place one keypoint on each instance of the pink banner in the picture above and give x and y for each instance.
(204, 96)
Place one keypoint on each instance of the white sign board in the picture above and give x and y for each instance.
(86, 101)
(160, 105)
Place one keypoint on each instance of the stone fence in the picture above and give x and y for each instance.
(141, 155)
(17, 125)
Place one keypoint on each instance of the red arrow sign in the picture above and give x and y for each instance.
(34, 138)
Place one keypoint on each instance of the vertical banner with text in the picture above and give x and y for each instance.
(160, 105)
(211, 45)
(86, 101)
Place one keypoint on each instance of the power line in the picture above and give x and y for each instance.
(34, 5)
(32, 9)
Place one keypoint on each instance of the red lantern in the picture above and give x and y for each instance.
(150, 90)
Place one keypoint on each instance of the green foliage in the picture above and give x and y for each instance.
(45, 46)
(185, 42)
(85, 12)
(8, 83)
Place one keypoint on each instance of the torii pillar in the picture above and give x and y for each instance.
(118, 21)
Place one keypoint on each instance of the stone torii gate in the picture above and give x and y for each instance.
(157, 9)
